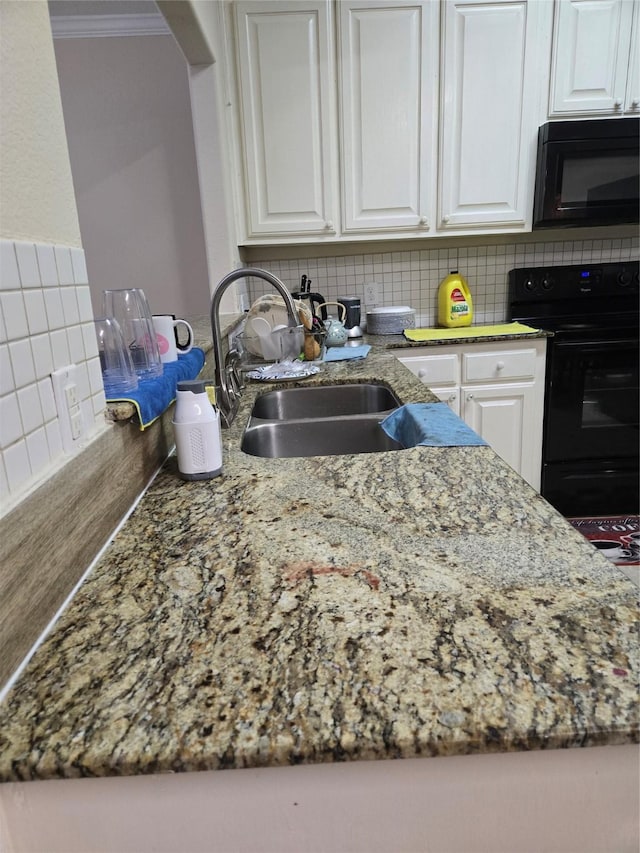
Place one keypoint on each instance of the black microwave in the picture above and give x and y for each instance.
(587, 173)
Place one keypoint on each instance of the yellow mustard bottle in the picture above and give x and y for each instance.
(455, 306)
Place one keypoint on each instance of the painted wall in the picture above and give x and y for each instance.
(37, 191)
(129, 126)
(46, 320)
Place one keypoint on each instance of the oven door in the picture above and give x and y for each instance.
(592, 399)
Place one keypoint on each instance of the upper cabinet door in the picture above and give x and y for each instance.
(489, 112)
(287, 110)
(632, 102)
(388, 109)
(591, 47)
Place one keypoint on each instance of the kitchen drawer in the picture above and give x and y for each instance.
(434, 370)
(498, 365)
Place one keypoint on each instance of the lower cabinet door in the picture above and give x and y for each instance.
(505, 416)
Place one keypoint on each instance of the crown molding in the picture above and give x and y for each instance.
(104, 26)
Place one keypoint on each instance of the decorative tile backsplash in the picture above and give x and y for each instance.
(412, 277)
(46, 323)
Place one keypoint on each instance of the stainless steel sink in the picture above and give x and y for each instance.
(323, 420)
(323, 401)
(317, 437)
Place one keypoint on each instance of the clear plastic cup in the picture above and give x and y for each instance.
(118, 376)
(131, 310)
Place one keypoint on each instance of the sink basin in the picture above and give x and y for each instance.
(317, 437)
(324, 401)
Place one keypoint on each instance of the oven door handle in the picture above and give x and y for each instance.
(589, 346)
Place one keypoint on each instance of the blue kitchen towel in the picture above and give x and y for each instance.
(346, 353)
(433, 424)
(154, 396)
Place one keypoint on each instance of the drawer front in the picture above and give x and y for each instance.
(434, 370)
(495, 366)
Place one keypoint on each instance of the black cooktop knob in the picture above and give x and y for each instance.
(529, 284)
(624, 278)
(547, 282)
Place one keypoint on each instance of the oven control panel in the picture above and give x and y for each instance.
(544, 284)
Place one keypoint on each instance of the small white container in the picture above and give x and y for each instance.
(196, 426)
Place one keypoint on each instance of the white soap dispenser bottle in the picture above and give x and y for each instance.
(196, 426)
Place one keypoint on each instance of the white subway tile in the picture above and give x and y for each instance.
(3, 328)
(47, 399)
(82, 381)
(30, 408)
(90, 340)
(84, 304)
(95, 375)
(76, 344)
(36, 312)
(28, 265)
(64, 265)
(4, 483)
(59, 348)
(10, 423)
(7, 385)
(24, 371)
(42, 355)
(99, 405)
(70, 306)
(88, 418)
(54, 439)
(53, 303)
(9, 275)
(79, 266)
(47, 263)
(38, 451)
(16, 461)
(15, 316)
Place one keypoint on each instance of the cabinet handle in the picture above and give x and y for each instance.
(329, 225)
(469, 396)
(617, 105)
(635, 104)
(500, 365)
(452, 398)
(445, 219)
(422, 373)
(422, 220)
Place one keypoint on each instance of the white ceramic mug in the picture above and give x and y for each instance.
(168, 344)
(611, 548)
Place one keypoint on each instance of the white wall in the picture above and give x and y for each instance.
(45, 308)
(128, 118)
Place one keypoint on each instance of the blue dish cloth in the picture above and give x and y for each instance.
(154, 396)
(346, 353)
(432, 424)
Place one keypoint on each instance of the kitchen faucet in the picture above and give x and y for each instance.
(228, 384)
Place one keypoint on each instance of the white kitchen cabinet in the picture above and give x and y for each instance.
(286, 81)
(595, 56)
(490, 112)
(378, 119)
(388, 108)
(497, 388)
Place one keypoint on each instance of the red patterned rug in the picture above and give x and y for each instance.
(617, 536)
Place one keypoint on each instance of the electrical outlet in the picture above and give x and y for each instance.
(65, 392)
(372, 294)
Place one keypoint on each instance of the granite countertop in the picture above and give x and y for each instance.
(414, 603)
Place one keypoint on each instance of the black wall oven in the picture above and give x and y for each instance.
(590, 445)
(587, 173)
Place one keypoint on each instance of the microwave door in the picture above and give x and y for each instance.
(579, 183)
